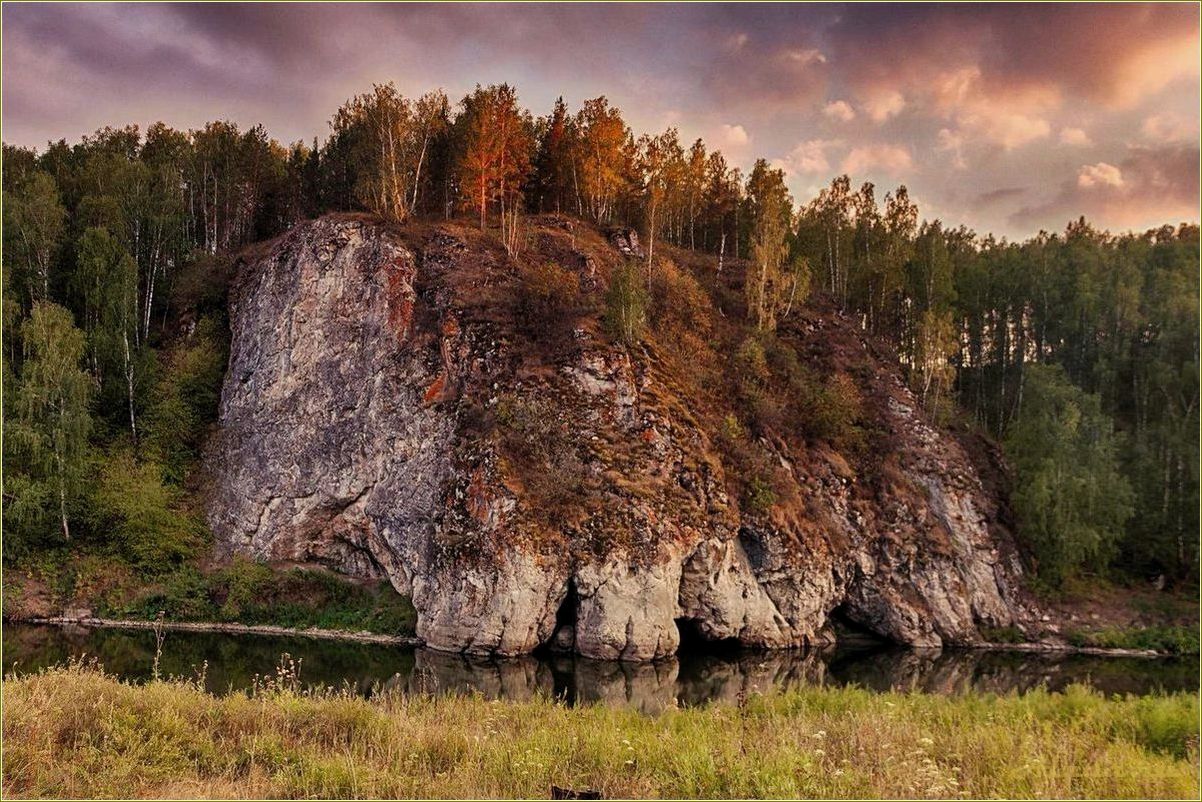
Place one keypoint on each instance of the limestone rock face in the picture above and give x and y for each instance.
(380, 401)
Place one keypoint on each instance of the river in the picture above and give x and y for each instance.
(229, 661)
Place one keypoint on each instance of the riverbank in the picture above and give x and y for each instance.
(229, 628)
(411, 641)
(99, 590)
(75, 732)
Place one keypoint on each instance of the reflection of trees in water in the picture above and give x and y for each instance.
(234, 660)
(961, 671)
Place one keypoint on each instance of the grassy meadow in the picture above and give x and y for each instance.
(77, 732)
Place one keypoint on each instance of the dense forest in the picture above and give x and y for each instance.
(1078, 350)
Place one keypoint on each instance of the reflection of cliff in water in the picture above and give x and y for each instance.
(234, 661)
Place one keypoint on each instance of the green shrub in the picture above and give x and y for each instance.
(760, 495)
(626, 305)
(1003, 634)
(182, 595)
(186, 397)
(1172, 640)
(751, 363)
(141, 515)
(732, 429)
(253, 593)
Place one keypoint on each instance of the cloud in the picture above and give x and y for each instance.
(1150, 187)
(734, 135)
(1164, 128)
(808, 157)
(747, 79)
(1010, 130)
(1009, 119)
(1099, 175)
(986, 88)
(839, 110)
(1114, 54)
(996, 196)
(1074, 136)
(891, 159)
(880, 106)
(952, 142)
(805, 56)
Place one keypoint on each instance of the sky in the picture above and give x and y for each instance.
(1008, 118)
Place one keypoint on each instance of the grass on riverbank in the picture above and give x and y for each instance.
(1167, 639)
(75, 732)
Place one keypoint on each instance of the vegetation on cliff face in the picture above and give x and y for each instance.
(75, 732)
(116, 256)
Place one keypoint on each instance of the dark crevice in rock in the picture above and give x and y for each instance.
(693, 639)
(851, 631)
(563, 637)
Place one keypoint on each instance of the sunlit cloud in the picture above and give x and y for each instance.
(892, 160)
(1150, 187)
(1004, 117)
(734, 135)
(1165, 128)
(1074, 136)
(880, 106)
(1099, 175)
(952, 142)
(839, 110)
(808, 157)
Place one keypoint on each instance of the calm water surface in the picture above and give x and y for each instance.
(234, 661)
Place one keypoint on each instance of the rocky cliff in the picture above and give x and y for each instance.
(394, 408)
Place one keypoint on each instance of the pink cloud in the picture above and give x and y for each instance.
(1150, 187)
(881, 105)
(734, 135)
(1074, 136)
(1099, 175)
(808, 157)
(839, 110)
(1165, 128)
(891, 159)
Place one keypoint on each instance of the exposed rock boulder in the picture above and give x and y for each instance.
(626, 241)
(382, 413)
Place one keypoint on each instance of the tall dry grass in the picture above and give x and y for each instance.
(76, 732)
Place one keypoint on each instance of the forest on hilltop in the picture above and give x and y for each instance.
(1077, 349)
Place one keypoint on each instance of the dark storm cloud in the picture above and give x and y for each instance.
(979, 98)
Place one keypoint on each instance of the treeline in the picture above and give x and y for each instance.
(1079, 350)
